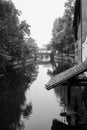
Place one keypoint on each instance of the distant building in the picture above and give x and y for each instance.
(80, 28)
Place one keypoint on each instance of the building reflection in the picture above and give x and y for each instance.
(73, 99)
(12, 98)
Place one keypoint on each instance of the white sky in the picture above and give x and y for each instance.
(40, 14)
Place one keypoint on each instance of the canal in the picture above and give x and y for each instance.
(25, 104)
(45, 105)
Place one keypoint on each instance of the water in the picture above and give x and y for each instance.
(45, 104)
(25, 104)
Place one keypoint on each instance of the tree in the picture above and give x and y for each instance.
(31, 48)
(24, 27)
(58, 25)
(12, 32)
(62, 33)
(69, 32)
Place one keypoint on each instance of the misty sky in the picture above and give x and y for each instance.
(40, 14)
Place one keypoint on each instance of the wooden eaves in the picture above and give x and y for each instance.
(66, 75)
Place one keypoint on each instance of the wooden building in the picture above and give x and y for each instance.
(74, 78)
(80, 28)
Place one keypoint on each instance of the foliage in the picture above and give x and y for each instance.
(12, 32)
(31, 47)
(62, 33)
(58, 25)
(24, 27)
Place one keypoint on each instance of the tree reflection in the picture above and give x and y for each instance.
(12, 98)
(27, 111)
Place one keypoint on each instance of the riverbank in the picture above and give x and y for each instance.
(20, 65)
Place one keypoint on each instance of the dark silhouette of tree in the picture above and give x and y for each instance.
(12, 32)
(12, 98)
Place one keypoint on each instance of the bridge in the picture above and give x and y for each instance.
(43, 55)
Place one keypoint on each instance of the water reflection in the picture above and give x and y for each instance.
(57, 125)
(44, 104)
(74, 102)
(13, 106)
(26, 104)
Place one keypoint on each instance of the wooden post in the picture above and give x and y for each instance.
(81, 26)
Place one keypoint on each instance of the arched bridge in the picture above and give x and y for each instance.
(43, 55)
